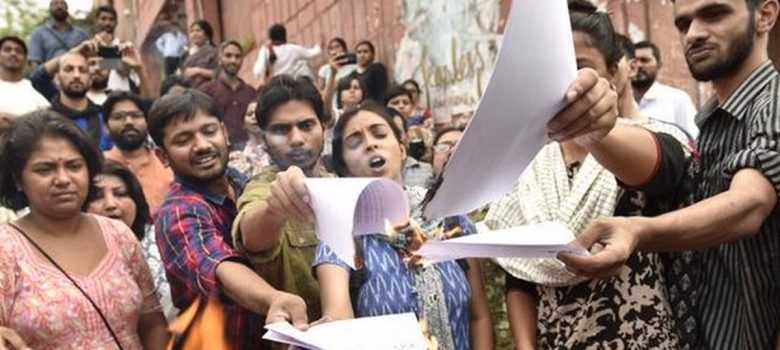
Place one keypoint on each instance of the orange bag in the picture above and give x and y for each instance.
(200, 327)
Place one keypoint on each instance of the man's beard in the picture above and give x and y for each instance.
(98, 84)
(129, 139)
(284, 161)
(17, 68)
(59, 15)
(643, 80)
(732, 60)
(74, 93)
(231, 72)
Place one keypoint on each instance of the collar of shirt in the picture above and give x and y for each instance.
(653, 92)
(236, 179)
(241, 84)
(50, 25)
(92, 109)
(739, 100)
(114, 153)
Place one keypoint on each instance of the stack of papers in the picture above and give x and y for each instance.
(391, 332)
(544, 240)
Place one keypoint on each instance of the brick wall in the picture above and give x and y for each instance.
(311, 22)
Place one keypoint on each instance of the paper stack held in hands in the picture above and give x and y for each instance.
(391, 332)
(543, 240)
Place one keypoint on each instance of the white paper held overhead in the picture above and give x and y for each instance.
(534, 68)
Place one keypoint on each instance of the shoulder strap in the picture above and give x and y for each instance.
(58, 38)
(92, 302)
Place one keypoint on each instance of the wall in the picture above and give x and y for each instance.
(313, 21)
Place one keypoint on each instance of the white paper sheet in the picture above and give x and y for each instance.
(390, 332)
(534, 68)
(544, 240)
(344, 207)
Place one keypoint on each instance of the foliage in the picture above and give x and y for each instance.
(19, 17)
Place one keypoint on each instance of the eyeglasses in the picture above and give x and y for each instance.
(119, 116)
(444, 147)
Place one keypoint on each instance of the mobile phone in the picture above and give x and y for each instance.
(110, 58)
(348, 58)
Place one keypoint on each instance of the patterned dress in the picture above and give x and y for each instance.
(152, 256)
(389, 286)
(48, 312)
(628, 311)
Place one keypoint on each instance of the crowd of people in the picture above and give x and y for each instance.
(123, 209)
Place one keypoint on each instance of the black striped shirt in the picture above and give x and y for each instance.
(738, 291)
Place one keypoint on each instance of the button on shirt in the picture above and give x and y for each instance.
(736, 303)
(193, 235)
(665, 103)
(286, 266)
(46, 42)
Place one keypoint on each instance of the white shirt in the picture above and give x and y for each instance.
(117, 82)
(287, 58)
(343, 72)
(670, 105)
(19, 97)
(172, 44)
(97, 97)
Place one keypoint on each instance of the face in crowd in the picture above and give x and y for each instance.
(371, 146)
(13, 57)
(127, 126)
(230, 59)
(58, 9)
(352, 95)
(365, 55)
(192, 138)
(335, 48)
(250, 121)
(106, 22)
(401, 103)
(443, 149)
(74, 75)
(294, 135)
(113, 199)
(717, 36)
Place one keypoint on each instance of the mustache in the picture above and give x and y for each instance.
(206, 153)
(698, 46)
(129, 129)
(299, 152)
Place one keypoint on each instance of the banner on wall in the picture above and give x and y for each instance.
(449, 47)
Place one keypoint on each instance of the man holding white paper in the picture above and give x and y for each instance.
(729, 279)
(274, 225)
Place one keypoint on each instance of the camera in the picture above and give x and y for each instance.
(110, 57)
(347, 58)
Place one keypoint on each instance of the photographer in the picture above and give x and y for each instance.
(340, 64)
(120, 76)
